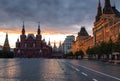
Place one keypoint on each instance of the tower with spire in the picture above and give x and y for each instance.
(104, 25)
(6, 46)
(23, 36)
(23, 29)
(49, 44)
(55, 45)
(18, 43)
(39, 31)
(38, 36)
(99, 11)
(55, 49)
(60, 44)
(107, 8)
(60, 47)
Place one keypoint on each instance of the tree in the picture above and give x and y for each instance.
(117, 45)
(6, 54)
(79, 53)
(110, 45)
(90, 52)
(69, 55)
(97, 51)
(109, 48)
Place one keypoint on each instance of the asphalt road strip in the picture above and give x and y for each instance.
(99, 72)
(84, 74)
(94, 79)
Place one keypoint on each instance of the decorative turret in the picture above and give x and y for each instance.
(6, 46)
(107, 8)
(99, 11)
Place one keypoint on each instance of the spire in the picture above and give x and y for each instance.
(39, 31)
(23, 25)
(99, 11)
(6, 46)
(6, 39)
(60, 44)
(23, 29)
(18, 40)
(114, 6)
(49, 42)
(55, 45)
(107, 7)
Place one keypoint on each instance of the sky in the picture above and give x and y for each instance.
(58, 18)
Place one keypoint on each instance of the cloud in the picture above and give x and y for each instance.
(57, 15)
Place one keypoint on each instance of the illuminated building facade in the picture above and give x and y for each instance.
(107, 23)
(106, 27)
(79, 43)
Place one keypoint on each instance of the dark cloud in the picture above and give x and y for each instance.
(53, 14)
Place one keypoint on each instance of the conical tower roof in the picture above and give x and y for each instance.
(6, 46)
(83, 32)
(6, 43)
(107, 7)
(99, 11)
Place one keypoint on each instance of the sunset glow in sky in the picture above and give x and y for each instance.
(58, 18)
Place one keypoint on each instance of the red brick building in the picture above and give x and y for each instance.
(30, 46)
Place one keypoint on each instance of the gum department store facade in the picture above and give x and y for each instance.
(106, 26)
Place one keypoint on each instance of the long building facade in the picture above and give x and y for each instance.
(107, 23)
(106, 27)
(30, 46)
